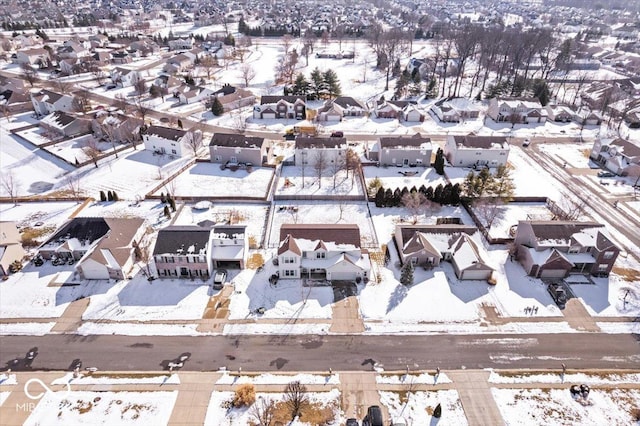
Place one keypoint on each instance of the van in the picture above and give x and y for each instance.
(373, 417)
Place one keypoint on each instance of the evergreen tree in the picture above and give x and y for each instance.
(437, 194)
(423, 190)
(317, 82)
(163, 199)
(172, 203)
(446, 194)
(437, 412)
(541, 91)
(216, 108)
(455, 194)
(380, 197)
(331, 83)
(502, 184)
(109, 196)
(401, 85)
(103, 196)
(438, 164)
(180, 123)
(415, 87)
(115, 196)
(388, 198)
(300, 85)
(166, 212)
(397, 198)
(406, 274)
(429, 193)
(404, 192)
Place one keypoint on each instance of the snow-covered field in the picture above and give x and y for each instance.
(417, 408)
(292, 183)
(279, 379)
(103, 408)
(611, 296)
(557, 407)
(575, 155)
(508, 215)
(591, 379)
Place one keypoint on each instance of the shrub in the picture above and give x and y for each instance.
(245, 396)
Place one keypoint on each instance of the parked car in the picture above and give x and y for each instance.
(219, 279)
(604, 173)
(558, 294)
(337, 134)
(373, 417)
(526, 142)
(352, 422)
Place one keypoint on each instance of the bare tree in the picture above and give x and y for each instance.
(139, 86)
(98, 75)
(72, 183)
(120, 102)
(28, 73)
(295, 398)
(208, 64)
(319, 165)
(247, 73)
(193, 139)
(81, 101)
(352, 164)
(568, 208)
(62, 86)
(263, 411)
(394, 45)
(108, 132)
(10, 185)
(91, 150)
(141, 108)
(339, 164)
(487, 210)
(287, 40)
(6, 111)
(416, 204)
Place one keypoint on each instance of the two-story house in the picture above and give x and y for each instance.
(290, 107)
(237, 148)
(181, 44)
(10, 246)
(308, 150)
(339, 108)
(124, 77)
(476, 151)
(619, 156)
(455, 110)
(182, 252)
(555, 249)
(34, 57)
(45, 102)
(428, 245)
(175, 142)
(517, 110)
(560, 113)
(229, 246)
(401, 151)
(232, 97)
(321, 251)
(189, 94)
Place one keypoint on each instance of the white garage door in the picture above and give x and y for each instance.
(552, 273)
(342, 275)
(333, 117)
(474, 275)
(269, 115)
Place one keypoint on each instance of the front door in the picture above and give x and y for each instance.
(184, 272)
(405, 161)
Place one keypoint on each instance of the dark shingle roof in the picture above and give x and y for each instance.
(82, 228)
(316, 142)
(236, 140)
(166, 132)
(275, 99)
(174, 239)
(401, 141)
(559, 230)
(336, 233)
(484, 142)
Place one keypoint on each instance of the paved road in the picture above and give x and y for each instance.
(339, 352)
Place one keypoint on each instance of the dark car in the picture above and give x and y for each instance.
(604, 173)
(337, 134)
(558, 294)
(373, 417)
(352, 422)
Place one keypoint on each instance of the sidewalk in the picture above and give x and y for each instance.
(71, 318)
(346, 317)
(476, 398)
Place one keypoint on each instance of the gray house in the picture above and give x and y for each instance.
(402, 151)
(236, 148)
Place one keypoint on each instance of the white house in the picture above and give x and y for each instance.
(475, 151)
(229, 246)
(455, 110)
(34, 57)
(124, 77)
(340, 107)
(309, 149)
(321, 251)
(517, 110)
(175, 142)
(181, 44)
(401, 151)
(617, 155)
(46, 102)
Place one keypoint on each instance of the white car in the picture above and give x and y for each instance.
(526, 142)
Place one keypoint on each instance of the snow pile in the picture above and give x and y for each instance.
(26, 328)
(424, 378)
(273, 379)
(591, 379)
(172, 379)
(8, 379)
(419, 406)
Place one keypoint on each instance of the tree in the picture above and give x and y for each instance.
(62, 86)
(415, 203)
(476, 185)
(141, 108)
(287, 40)
(172, 204)
(139, 86)
(216, 107)
(103, 196)
(92, 151)
(331, 83)
(319, 165)
(98, 75)
(10, 185)
(437, 412)
(487, 210)
(406, 274)
(81, 101)
(300, 85)
(263, 412)
(193, 139)
(338, 165)
(353, 163)
(166, 212)
(317, 81)
(72, 183)
(502, 185)
(28, 73)
(393, 46)
(380, 199)
(247, 73)
(374, 186)
(208, 63)
(438, 164)
(109, 196)
(295, 398)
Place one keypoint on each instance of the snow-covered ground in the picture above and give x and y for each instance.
(8, 379)
(292, 183)
(611, 296)
(508, 215)
(100, 379)
(103, 408)
(591, 379)
(398, 177)
(417, 407)
(218, 414)
(26, 328)
(279, 379)
(408, 379)
(3, 397)
(575, 155)
(557, 407)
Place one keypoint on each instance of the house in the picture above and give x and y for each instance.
(560, 113)
(124, 77)
(555, 249)
(166, 84)
(115, 126)
(181, 44)
(237, 148)
(455, 110)
(189, 94)
(98, 40)
(619, 156)
(412, 114)
(322, 251)
(121, 57)
(475, 151)
(308, 149)
(586, 117)
(175, 142)
(401, 151)
(281, 107)
(34, 57)
(102, 248)
(389, 109)
(340, 107)
(428, 245)
(517, 110)
(182, 252)
(178, 63)
(229, 246)
(45, 102)
(232, 97)
(10, 246)
(65, 124)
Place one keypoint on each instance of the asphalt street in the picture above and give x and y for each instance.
(317, 353)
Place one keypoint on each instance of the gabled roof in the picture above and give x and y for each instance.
(335, 233)
(348, 102)
(555, 230)
(166, 132)
(116, 245)
(318, 142)
(289, 244)
(416, 141)
(236, 140)
(182, 240)
(275, 99)
(483, 142)
(82, 228)
(59, 119)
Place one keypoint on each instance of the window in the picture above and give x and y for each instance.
(290, 273)
(218, 158)
(603, 267)
(288, 260)
(574, 249)
(321, 255)
(608, 255)
(174, 152)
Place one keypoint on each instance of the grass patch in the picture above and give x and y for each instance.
(255, 261)
(313, 413)
(627, 274)
(31, 237)
(125, 375)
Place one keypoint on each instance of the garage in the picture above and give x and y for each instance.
(333, 117)
(553, 273)
(268, 115)
(475, 275)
